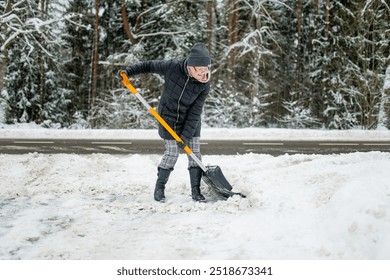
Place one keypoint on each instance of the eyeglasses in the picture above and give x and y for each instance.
(201, 70)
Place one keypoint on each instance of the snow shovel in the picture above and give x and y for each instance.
(212, 175)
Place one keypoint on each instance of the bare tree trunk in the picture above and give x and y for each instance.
(299, 22)
(299, 45)
(234, 34)
(327, 18)
(126, 25)
(232, 9)
(41, 63)
(210, 6)
(95, 54)
(229, 21)
(315, 25)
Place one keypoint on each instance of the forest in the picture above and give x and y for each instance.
(316, 64)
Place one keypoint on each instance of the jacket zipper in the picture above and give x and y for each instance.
(178, 104)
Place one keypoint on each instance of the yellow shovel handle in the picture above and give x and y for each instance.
(126, 82)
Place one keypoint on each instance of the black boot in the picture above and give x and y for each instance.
(162, 179)
(195, 177)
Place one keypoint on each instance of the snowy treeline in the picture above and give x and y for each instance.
(292, 63)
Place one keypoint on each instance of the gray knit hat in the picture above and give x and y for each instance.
(199, 56)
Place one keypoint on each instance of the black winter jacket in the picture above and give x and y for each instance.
(183, 97)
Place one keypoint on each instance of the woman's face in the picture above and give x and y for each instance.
(201, 73)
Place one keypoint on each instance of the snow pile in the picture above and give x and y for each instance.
(28, 131)
(101, 207)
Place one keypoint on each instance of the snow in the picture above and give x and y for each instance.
(28, 131)
(98, 206)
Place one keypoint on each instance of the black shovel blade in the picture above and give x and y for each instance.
(215, 179)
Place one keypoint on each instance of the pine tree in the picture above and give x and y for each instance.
(22, 77)
(352, 69)
(274, 63)
(78, 55)
(373, 17)
(29, 47)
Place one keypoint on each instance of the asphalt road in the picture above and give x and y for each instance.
(208, 147)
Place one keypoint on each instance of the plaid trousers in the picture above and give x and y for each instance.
(171, 153)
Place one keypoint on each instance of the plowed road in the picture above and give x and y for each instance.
(208, 147)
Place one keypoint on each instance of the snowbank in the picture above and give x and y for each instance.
(37, 132)
(101, 207)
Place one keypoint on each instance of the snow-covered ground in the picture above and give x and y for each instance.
(68, 206)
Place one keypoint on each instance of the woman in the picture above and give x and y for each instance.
(186, 86)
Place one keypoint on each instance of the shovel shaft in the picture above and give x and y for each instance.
(126, 82)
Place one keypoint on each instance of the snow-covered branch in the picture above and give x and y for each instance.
(29, 29)
(370, 2)
(159, 33)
